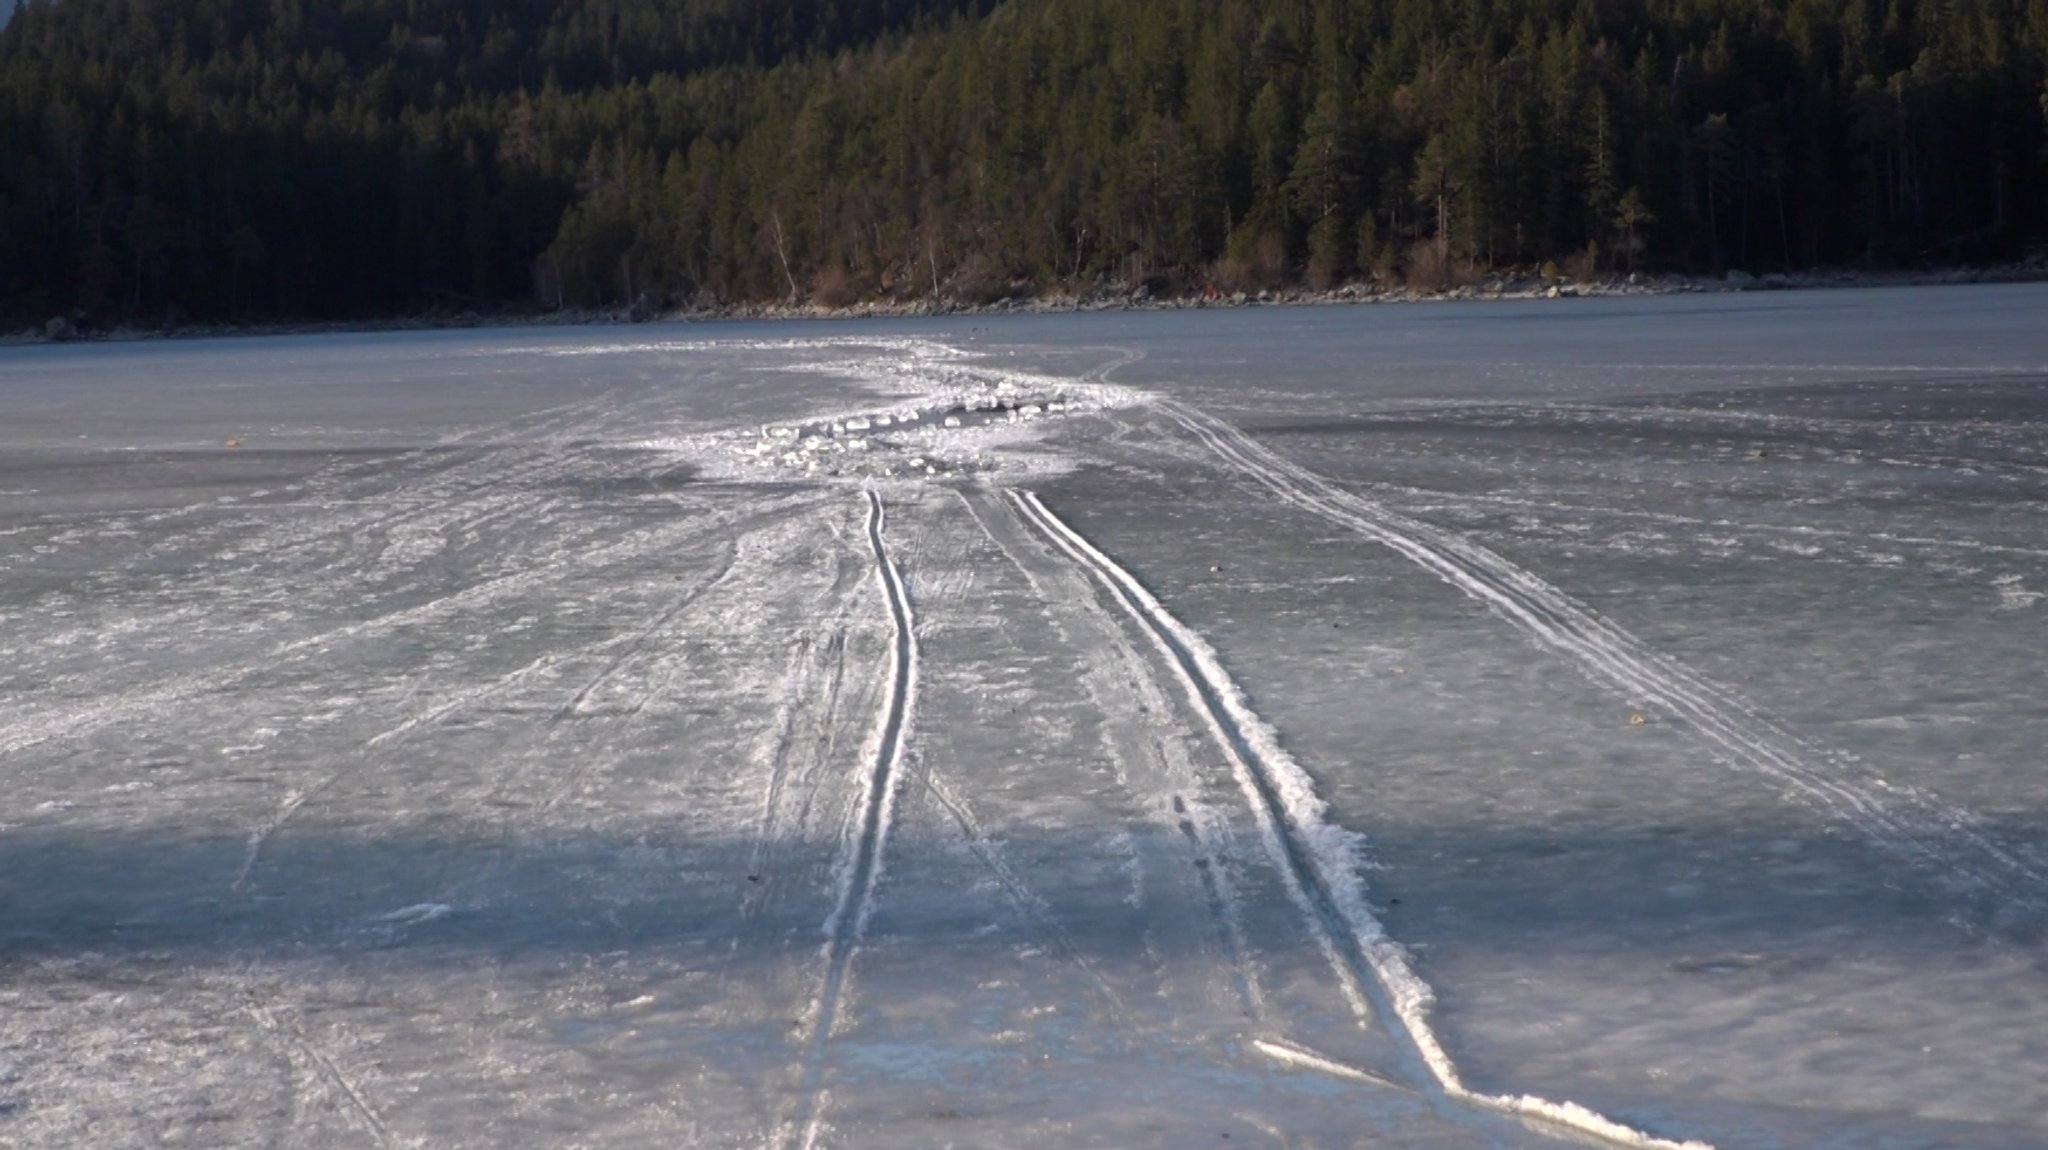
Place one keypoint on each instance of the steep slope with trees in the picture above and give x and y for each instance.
(266, 159)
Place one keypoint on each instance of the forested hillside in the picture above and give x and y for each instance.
(280, 159)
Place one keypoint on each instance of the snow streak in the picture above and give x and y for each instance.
(859, 869)
(29, 727)
(1318, 859)
(1934, 833)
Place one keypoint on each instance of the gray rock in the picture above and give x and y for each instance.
(59, 329)
(1740, 280)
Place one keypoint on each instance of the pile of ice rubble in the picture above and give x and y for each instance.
(905, 443)
(958, 421)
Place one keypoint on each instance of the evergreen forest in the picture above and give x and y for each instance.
(271, 160)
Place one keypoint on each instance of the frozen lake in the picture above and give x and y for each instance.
(1610, 722)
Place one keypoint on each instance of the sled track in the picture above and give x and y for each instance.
(859, 868)
(1317, 860)
(1930, 833)
(1143, 759)
(1234, 727)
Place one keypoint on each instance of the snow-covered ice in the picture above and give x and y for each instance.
(1495, 726)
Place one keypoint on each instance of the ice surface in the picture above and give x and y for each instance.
(1371, 721)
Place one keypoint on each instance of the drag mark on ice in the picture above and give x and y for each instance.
(1021, 895)
(781, 738)
(630, 646)
(319, 487)
(802, 734)
(859, 868)
(1932, 832)
(264, 832)
(462, 700)
(324, 1067)
(1318, 859)
(25, 730)
(809, 703)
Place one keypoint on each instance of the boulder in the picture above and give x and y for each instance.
(1740, 280)
(59, 329)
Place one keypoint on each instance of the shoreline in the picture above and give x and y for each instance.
(1106, 299)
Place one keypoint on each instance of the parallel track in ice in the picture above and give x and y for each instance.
(859, 867)
(803, 737)
(1124, 687)
(1915, 827)
(1317, 859)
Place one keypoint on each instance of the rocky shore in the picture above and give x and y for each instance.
(1108, 297)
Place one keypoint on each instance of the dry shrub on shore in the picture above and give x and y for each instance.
(835, 287)
(1428, 267)
(1253, 266)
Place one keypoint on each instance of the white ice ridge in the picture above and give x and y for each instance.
(415, 914)
(857, 872)
(1911, 825)
(1323, 856)
(1288, 1054)
(947, 415)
